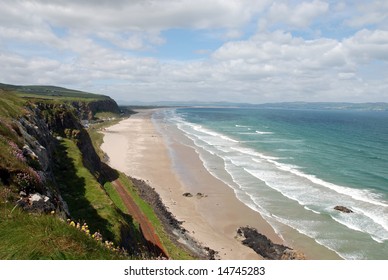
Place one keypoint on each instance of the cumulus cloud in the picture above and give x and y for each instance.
(133, 15)
(114, 47)
(299, 15)
(367, 45)
(369, 13)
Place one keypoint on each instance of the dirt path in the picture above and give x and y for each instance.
(146, 227)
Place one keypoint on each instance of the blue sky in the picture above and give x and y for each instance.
(211, 50)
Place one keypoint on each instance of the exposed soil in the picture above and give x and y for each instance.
(147, 229)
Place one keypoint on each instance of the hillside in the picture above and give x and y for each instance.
(52, 92)
(59, 200)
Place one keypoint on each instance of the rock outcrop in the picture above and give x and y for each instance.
(265, 247)
(87, 110)
(33, 139)
(343, 209)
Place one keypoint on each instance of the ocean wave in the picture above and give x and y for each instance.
(263, 132)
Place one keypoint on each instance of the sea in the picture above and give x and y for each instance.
(293, 166)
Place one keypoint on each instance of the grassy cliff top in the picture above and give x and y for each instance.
(51, 93)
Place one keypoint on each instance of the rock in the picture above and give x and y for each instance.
(36, 203)
(290, 254)
(27, 152)
(187, 194)
(200, 195)
(265, 247)
(35, 197)
(22, 194)
(343, 209)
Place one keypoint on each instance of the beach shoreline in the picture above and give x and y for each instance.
(208, 208)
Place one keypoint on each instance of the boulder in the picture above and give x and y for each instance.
(200, 195)
(36, 203)
(187, 194)
(35, 197)
(265, 247)
(27, 152)
(343, 209)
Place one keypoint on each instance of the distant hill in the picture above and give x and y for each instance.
(51, 92)
(377, 106)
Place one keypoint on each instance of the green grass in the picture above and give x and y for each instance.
(86, 198)
(52, 92)
(27, 236)
(106, 115)
(11, 106)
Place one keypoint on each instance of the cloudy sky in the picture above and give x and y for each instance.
(214, 50)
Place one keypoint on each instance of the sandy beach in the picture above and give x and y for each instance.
(135, 147)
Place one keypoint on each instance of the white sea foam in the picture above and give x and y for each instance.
(361, 195)
(309, 209)
(247, 133)
(263, 132)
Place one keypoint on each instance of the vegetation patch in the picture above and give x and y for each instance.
(31, 237)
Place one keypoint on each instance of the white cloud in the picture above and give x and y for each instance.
(134, 15)
(297, 16)
(100, 46)
(368, 45)
(369, 13)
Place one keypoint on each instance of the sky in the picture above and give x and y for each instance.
(252, 51)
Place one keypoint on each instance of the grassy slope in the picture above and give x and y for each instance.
(85, 197)
(25, 236)
(51, 92)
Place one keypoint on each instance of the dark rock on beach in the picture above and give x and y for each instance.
(265, 247)
(200, 195)
(187, 194)
(343, 209)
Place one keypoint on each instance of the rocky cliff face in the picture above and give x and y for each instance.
(87, 110)
(31, 141)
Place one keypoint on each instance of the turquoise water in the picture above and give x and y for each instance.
(295, 166)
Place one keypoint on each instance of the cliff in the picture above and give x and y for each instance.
(30, 141)
(49, 167)
(88, 110)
